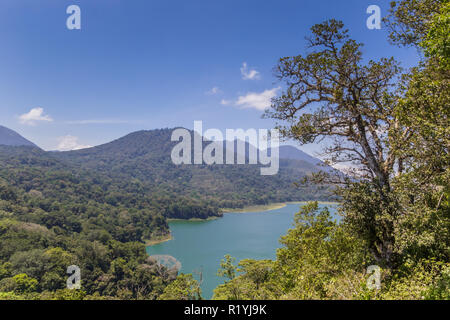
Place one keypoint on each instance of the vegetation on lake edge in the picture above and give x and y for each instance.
(394, 128)
(95, 210)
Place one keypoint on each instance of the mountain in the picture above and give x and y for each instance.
(99, 206)
(9, 137)
(301, 159)
(145, 156)
(137, 172)
(291, 152)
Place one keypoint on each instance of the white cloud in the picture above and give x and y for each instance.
(35, 115)
(213, 91)
(249, 74)
(68, 143)
(259, 101)
(225, 102)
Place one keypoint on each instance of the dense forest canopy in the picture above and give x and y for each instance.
(94, 208)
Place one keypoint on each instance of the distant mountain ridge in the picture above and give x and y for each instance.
(138, 168)
(9, 137)
(291, 152)
(156, 144)
(146, 156)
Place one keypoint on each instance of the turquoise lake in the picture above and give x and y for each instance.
(200, 245)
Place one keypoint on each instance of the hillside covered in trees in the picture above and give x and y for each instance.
(145, 157)
(95, 208)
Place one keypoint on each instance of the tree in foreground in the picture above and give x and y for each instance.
(392, 128)
(185, 287)
(332, 95)
(323, 259)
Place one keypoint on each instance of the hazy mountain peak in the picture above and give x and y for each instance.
(9, 137)
(291, 152)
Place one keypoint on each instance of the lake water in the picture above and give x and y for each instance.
(200, 245)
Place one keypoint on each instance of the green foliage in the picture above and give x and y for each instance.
(422, 190)
(5, 270)
(11, 296)
(437, 40)
(24, 283)
(317, 252)
(427, 280)
(314, 254)
(396, 217)
(323, 259)
(95, 208)
(143, 160)
(65, 294)
(409, 20)
(372, 217)
(185, 287)
(396, 211)
(250, 284)
(227, 268)
(316, 260)
(38, 259)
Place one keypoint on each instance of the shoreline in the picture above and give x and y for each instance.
(271, 206)
(320, 202)
(192, 219)
(247, 209)
(149, 243)
(263, 207)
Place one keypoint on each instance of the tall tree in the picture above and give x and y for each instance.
(331, 94)
(409, 20)
(424, 108)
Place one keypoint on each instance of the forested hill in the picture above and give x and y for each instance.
(136, 172)
(144, 156)
(96, 207)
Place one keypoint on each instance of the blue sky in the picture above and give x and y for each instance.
(145, 64)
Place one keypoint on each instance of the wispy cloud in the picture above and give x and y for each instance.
(249, 74)
(69, 142)
(226, 102)
(213, 91)
(259, 101)
(33, 116)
